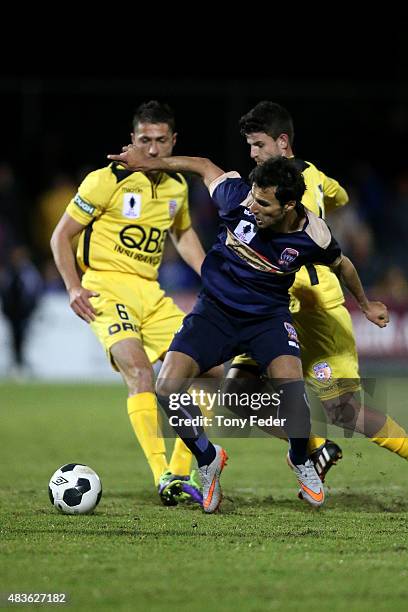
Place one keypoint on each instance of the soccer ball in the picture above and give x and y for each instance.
(75, 489)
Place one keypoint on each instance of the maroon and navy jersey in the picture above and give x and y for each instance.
(251, 269)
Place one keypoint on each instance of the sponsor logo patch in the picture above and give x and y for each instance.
(132, 204)
(172, 208)
(291, 331)
(322, 371)
(132, 189)
(245, 231)
(288, 256)
(293, 343)
(88, 208)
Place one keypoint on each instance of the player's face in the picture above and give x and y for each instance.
(154, 139)
(264, 147)
(266, 208)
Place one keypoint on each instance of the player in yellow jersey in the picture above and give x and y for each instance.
(123, 218)
(323, 324)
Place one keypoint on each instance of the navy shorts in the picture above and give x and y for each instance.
(213, 334)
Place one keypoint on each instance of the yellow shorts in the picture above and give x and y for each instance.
(132, 307)
(328, 351)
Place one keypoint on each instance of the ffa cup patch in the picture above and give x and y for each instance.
(322, 371)
(245, 231)
(288, 256)
(132, 203)
(172, 208)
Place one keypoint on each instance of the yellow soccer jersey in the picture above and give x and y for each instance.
(127, 218)
(318, 286)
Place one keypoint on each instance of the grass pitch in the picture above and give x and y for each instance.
(265, 551)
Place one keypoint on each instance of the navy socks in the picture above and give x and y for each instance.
(193, 435)
(295, 408)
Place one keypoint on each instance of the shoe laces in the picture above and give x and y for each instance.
(205, 475)
(307, 470)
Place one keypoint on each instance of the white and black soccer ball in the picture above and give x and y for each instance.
(75, 489)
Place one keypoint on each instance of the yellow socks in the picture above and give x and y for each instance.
(143, 415)
(393, 437)
(181, 458)
(314, 442)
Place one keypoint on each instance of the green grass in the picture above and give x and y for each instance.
(265, 551)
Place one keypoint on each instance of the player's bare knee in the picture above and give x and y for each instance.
(138, 378)
(286, 368)
(215, 373)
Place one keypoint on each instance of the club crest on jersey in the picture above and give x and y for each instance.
(132, 204)
(322, 371)
(245, 231)
(288, 256)
(172, 208)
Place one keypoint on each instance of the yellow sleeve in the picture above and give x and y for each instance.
(334, 194)
(94, 195)
(182, 220)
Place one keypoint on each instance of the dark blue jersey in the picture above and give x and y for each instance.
(251, 269)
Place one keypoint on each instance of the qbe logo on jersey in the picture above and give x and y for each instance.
(132, 204)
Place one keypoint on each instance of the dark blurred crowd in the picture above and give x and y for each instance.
(372, 230)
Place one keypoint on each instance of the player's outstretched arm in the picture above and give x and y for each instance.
(61, 246)
(133, 159)
(376, 312)
(189, 247)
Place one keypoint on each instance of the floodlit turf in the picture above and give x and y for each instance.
(265, 551)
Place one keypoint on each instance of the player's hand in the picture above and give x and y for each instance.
(80, 303)
(132, 159)
(377, 313)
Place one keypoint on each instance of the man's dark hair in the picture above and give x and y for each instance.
(270, 118)
(154, 112)
(282, 173)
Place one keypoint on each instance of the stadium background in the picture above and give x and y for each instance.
(58, 129)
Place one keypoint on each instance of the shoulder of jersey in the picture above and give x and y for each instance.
(301, 164)
(120, 174)
(99, 185)
(111, 174)
(309, 170)
(176, 176)
(97, 181)
(116, 172)
(308, 166)
(318, 230)
(105, 175)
